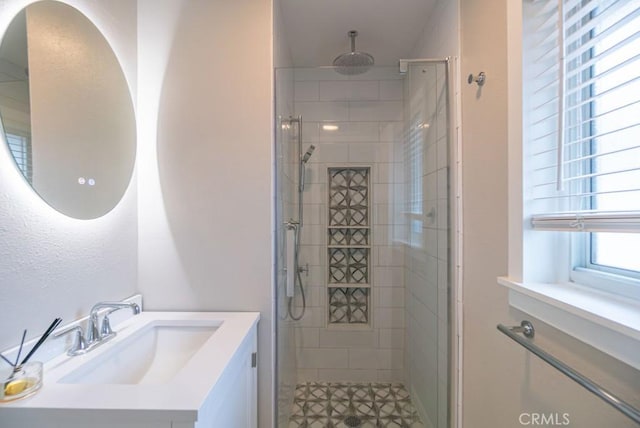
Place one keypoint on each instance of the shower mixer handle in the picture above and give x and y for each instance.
(292, 224)
(304, 269)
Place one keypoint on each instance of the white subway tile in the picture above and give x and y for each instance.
(308, 375)
(391, 131)
(392, 338)
(389, 297)
(349, 90)
(323, 358)
(379, 73)
(391, 90)
(430, 159)
(443, 214)
(314, 213)
(313, 317)
(315, 295)
(315, 193)
(351, 132)
(443, 275)
(315, 73)
(430, 237)
(307, 337)
(389, 318)
(443, 245)
(332, 153)
(364, 359)
(443, 183)
(423, 321)
(375, 110)
(362, 153)
(383, 173)
(386, 152)
(442, 149)
(390, 255)
(394, 376)
(398, 171)
(381, 195)
(306, 91)
(430, 186)
(323, 111)
(311, 254)
(346, 375)
(310, 133)
(388, 276)
(348, 339)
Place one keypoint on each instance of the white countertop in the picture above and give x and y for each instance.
(178, 399)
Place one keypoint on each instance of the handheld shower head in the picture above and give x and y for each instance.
(307, 155)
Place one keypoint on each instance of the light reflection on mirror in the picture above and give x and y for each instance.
(66, 110)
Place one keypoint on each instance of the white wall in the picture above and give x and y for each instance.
(52, 265)
(440, 37)
(501, 379)
(205, 162)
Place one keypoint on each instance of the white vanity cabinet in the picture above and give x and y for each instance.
(162, 370)
(234, 400)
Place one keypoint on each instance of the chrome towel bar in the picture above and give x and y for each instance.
(527, 329)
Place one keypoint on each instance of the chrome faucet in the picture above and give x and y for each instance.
(94, 335)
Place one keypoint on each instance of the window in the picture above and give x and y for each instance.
(574, 160)
(582, 122)
(20, 148)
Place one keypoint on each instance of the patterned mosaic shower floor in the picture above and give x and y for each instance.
(346, 405)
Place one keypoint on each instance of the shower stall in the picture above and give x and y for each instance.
(363, 245)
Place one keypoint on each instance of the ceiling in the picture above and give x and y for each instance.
(316, 30)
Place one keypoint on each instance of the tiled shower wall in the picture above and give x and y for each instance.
(427, 250)
(368, 112)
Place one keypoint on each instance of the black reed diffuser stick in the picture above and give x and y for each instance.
(7, 360)
(24, 334)
(44, 337)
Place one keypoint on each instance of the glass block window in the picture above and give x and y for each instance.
(349, 245)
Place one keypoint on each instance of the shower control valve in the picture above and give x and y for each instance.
(304, 269)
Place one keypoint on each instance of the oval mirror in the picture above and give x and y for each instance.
(66, 110)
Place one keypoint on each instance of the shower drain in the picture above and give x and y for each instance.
(352, 421)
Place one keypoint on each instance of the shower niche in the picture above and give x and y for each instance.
(349, 246)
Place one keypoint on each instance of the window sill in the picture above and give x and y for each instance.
(607, 322)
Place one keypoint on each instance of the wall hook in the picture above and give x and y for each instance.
(479, 79)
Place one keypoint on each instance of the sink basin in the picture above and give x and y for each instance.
(162, 369)
(153, 355)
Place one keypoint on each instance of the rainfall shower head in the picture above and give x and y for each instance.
(307, 155)
(353, 62)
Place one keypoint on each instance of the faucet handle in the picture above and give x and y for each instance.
(106, 330)
(79, 345)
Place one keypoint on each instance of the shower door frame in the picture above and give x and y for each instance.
(455, 324)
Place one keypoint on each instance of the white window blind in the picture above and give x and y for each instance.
(582, 114)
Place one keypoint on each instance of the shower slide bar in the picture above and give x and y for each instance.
(526, 328)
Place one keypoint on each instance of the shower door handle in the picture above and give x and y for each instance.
(290, 260)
